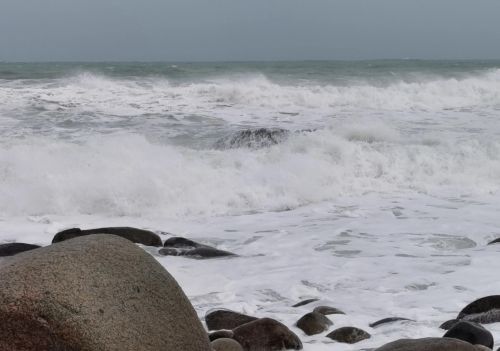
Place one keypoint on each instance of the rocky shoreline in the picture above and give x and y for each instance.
(89, 290)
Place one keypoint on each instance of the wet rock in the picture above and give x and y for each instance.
(266, 334)
(484, 310)
(327, 310)
(305, 302)
(448, 324)
(140, 236)
(428, 344)
(388, 320)
(313, 323)
(97, 292)
(473, 333)
(348, 335)
(220, 334)
(226, 319)
(178, 246)
(496, 241)
(226, 344)
(252, 138)
(11, 249)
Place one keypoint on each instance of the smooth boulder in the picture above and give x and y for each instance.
(220, 334)
(428, 344)
(226, 319)
(11, 249)
(327, 310)
(178, 246)
(139, 236)
(97, 292)
(348, 335)
(313, 323)
(266, 334)
(473, 333)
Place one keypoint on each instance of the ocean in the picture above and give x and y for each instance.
(372, 186)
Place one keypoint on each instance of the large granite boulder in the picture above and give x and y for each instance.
(94, 293)
(428, 344)
(140, 236)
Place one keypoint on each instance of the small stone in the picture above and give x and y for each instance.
(219, 334)
(266, 334)
(226, 344)
(348, 335)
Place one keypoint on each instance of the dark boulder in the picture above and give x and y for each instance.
(98, 292)
(253, 138)
(11, 249)
(327, 310)
(348, 335)
(140, 236)
(266, 334)
(305, 302)
(448, 324)
(428, 344)
(226, 319)
(314, 323)
(178, 246)
(496, 241)
(388, 320)
(473, 333)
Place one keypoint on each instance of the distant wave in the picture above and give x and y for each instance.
(245, 97)
(128, 175)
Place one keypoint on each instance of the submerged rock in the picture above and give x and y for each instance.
(11, 249)
(266, 334)
(348, 335)
(178, 246)
(253, 138)
(98, 292)
(387, 320)
(428, 344)
(496, 241)
(140, 236)
(484, 310)
(473, 333)
(327, 310)
(313, 323)
(305, 302)
(226, 319)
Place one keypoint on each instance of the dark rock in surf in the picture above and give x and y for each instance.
(348, 335)
(313, 323)
(226, 344)
(327, 310)
(253, 138)
(473, 333)
(226, 319)
(98, 292)
(428, 344)
(484, 310)
(266, 334)
(496, 241)
(221, 334)
(305, 302)
(11, 249)
(178, 246)
(387, 320)
(140, 236)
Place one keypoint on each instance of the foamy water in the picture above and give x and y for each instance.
(380, 200)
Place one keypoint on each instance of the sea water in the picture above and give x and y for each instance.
(378, 199)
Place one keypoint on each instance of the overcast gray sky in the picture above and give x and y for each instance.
(198, 30)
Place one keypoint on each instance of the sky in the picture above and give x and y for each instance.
(246, 30)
